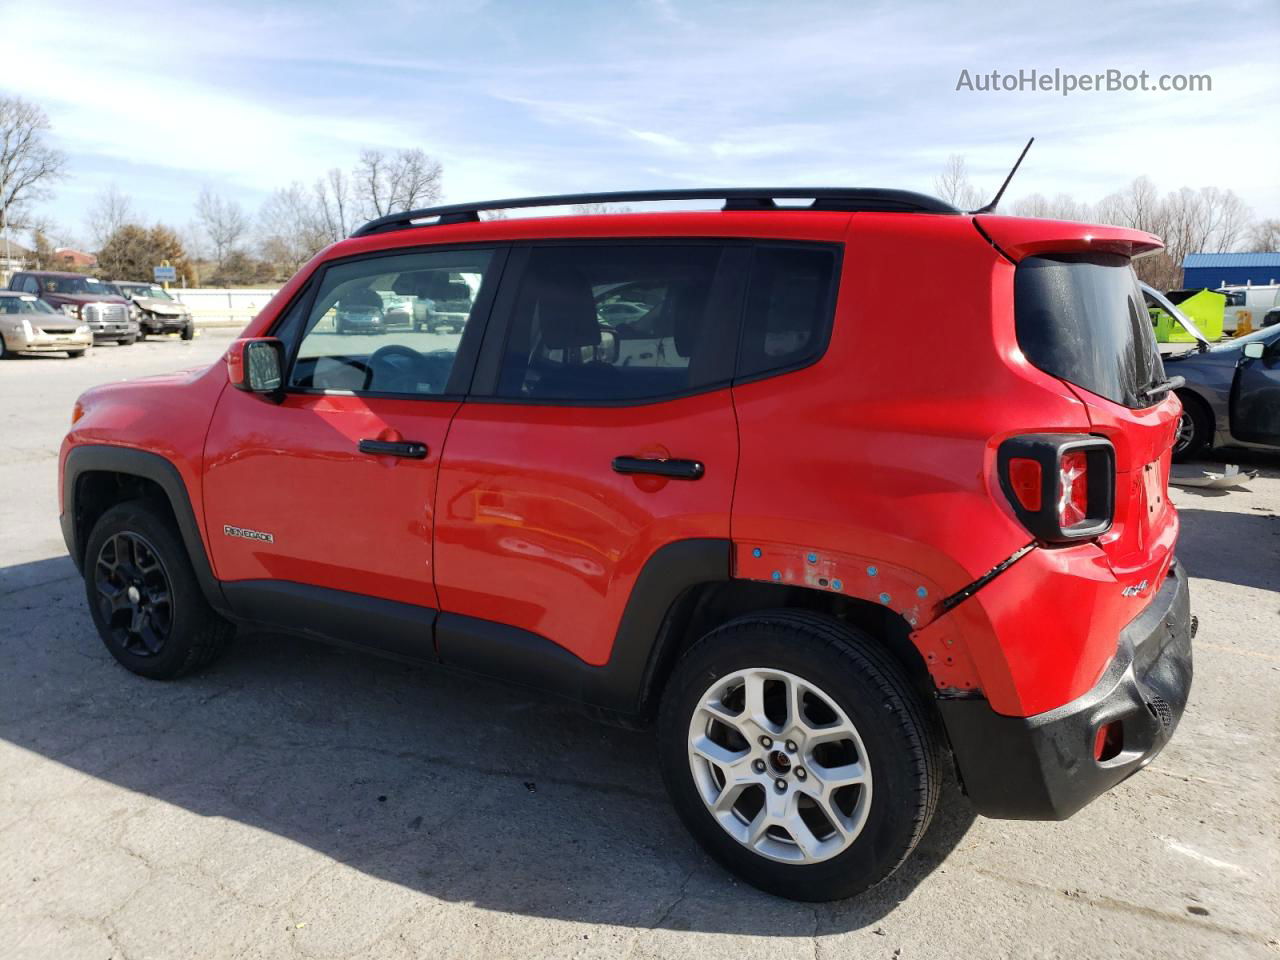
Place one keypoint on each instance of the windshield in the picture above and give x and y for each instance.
(1266, 334)
(81, 285)
(1082, 318)
(153, 290)
(24, 305)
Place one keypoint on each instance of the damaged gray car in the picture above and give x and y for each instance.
(1230, 391)
(157, 312)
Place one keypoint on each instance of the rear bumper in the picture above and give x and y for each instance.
(1043, 767)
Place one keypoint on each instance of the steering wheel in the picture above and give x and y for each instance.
(395, 368)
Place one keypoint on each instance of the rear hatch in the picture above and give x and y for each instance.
(1080, 316)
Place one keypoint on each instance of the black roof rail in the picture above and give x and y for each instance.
(735, 198)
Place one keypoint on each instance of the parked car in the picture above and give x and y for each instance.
(1251, 307)
(157, 311)
(820, 562)
(29, 325)
(442, 300)
(84, 299)
(359, 311)
(1230, 391)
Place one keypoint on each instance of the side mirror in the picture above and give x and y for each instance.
(256, 366)
(1254, 349)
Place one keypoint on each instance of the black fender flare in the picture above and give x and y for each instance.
(105, 458)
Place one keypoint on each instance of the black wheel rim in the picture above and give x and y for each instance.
(133, 594)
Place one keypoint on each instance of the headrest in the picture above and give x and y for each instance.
(566, 307)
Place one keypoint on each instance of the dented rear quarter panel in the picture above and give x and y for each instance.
(878, 461)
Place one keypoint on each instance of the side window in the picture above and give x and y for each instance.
(789, 307)
(617, 322)
(30, 285)
(390, 324)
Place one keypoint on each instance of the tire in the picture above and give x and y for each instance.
(5, 352)
(75, 354)
(174, 638)
(894, 744)
(127, 341)
(1195, 430)
(189, 331)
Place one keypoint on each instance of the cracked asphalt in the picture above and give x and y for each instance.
(302, 801)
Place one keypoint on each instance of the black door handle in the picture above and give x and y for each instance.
(680, 469)
(395, 448)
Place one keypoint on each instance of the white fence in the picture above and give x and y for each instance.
(214, 307)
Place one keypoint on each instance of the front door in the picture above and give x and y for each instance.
(601, 429)
(1255, 395)
(331, 491)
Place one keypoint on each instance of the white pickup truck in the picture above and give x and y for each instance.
(1250, 307)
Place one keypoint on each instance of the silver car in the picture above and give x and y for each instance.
(1230, 391)
(29, 325)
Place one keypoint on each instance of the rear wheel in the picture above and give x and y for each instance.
(5, 352)
(144, 597)
(1195, 428)
(797, 753)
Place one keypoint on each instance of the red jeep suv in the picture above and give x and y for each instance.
(685, 468)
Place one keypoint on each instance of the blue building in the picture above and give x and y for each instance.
(1212, 270)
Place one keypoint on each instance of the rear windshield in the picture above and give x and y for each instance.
(1082, 318)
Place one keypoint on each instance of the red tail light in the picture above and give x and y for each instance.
(1027, 480)
(1061, 485)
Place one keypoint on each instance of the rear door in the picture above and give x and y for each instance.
(1255, 394)
(595, 435)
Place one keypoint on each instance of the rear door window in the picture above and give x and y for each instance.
(1082, 318)
(619, 322)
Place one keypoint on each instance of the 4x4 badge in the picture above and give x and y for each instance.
(245, 534)
(1134, 590)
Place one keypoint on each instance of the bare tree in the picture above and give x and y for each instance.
(953, 185)
(110, 211)
(1264, 237)
(407, 180)
(588, 208)
(28, 165)
(1062, 207)
(224, 221)
(333, 203)
(291, 228)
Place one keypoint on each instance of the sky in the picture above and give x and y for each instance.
(517, 98)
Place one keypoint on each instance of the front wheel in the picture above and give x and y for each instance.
(127, 341)
(1195, 428)
(188, 331)
(75, 354)
(144, 597)
(796, 751)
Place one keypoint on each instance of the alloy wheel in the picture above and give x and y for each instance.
(133, 594)
(779, 765)
(1186, 432)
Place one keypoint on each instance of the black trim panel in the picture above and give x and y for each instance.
(621, 686)
(401, 630)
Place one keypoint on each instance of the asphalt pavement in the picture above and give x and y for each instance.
(300, 800)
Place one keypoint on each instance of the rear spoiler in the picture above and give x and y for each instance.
(1021, 237)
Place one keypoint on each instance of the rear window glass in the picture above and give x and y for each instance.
(789, 308)
(1082, 318)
